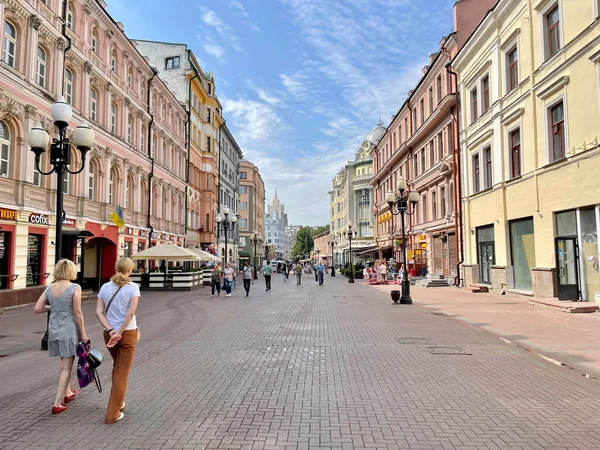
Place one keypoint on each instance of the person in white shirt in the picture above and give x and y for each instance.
(228, 276)
(115, 309)
(383, 270)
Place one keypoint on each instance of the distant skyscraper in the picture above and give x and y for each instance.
(276, 222)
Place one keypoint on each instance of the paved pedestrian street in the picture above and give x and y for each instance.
(332, 367)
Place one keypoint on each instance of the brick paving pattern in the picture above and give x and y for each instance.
(304, 367)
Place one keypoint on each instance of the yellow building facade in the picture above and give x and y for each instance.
(529, 89)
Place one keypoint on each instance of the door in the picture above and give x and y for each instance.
(486, 261)
(567, 261)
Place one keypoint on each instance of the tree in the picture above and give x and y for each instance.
(304, 243)
(320, 229)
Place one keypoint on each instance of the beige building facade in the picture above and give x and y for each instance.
(529, 89)
(251, 223)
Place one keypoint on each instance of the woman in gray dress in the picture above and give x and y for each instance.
(65, 326)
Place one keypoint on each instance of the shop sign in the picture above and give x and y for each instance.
(143, 233)
(8, 214)
(410, 254)
(397, 242)
(153, 235)
(424, 245)
(69, 223)
(422, 237)
(39, 219)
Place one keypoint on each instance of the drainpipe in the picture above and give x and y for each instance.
(189, 138)
(151, 176)
(68, 47)
(458, 217)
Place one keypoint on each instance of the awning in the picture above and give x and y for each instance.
(202, 255)
(372, 249)
(168, 252)
(78, 233)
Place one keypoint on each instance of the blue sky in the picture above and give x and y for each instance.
(301, 81)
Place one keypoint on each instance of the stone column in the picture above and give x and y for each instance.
(59, 66)
(125, 119)
(108, 104)
(85, 93)
(137, 199)
(32, 42)
(140, 123)
(27, 157)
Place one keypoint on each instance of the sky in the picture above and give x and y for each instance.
(301, 82)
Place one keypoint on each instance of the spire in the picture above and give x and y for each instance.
(275, 198)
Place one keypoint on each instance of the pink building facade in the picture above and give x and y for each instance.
(138, 161)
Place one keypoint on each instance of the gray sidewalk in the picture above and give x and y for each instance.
(299, 367)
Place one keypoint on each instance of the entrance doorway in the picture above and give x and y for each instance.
(100, 256)
(485, 253)
(567, 262)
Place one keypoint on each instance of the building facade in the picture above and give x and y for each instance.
(138, 160)
(252, 214)
(322, 248)
(351, 200)
(196, 89)
(276, 223)
(529, 83)
(229, 189)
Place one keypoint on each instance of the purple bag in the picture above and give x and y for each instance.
(85, 373)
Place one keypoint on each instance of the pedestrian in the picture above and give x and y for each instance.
(228, 276)
(320, 271)
(286, 272)
(299, 274)
(65, 326)
(236, 273)
(383, 271)
(316, 271)
(247, 277)
(215, 280)
(268, 271)
(115, 309)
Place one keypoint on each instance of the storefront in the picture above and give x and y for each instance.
(37, 250)
(8, 219)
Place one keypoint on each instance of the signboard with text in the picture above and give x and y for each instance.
(38, 219)
(8, 214)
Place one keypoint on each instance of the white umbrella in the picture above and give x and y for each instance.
(168, 252)
(202, 255)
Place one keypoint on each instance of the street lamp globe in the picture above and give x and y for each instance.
(219, 218)
(61, 112)
(390, 197)
(413, 196)
(233, 219)
(401, 184)
(84, 136)
(349, 225)
(226, 210)
(38, 139)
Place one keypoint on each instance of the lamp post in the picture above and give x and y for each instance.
(402, 202)
(60, 159)
(227, 223)
(255, 240)
(332, 243)
(350, 235)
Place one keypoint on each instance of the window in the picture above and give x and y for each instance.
(422, 110)
(243, 175)
(515, 153)
(41, 67)
(172, 63)
(552, 20)
(94, 105)
(405, 129)
(442, 202)
(113, 118)
(208, 143)
(10, 44)
(208, 115)
(433, 205)
(209, 88)
(430, 95)
(243, 223)
(416, 164)
(4, 149)
(113, 61)
(423, 165)
(66, 184)
(438, 86)
(142, 138)
(91, 181)
(111, 187)
(129, 125)
(243, 206)
(440, 140)
(476, 181)
(431, 153)
(127, 192)
(557, 121)
(485, 87)
(69, 86)
(474, 110)
(487, 157)
(95, 41)
(129, 78)
(243, 189)
(414, 120)
(365, 214)
(513, 68)
(70, 17)
(424, 209)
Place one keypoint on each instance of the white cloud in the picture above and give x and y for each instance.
(213, 49)
(293, 85)
(241, 10)
(210, 18)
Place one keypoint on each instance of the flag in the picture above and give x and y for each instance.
(117, 217)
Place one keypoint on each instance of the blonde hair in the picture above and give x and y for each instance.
(123, 266)
(65, 269)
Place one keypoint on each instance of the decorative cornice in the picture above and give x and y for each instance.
(35, 22)
(87, 67)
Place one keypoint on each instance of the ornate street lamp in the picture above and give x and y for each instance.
(227, 223)
(60, 159)
(332, 243)
(350, 234)
(402, 201)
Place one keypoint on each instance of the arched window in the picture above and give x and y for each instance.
(144, 197)
(113, 61)
(9, 48)
(111, 187)
(113, 118)
(130, 78)
(5, 146)
(129, 128)
(155, 201)
(92, 181)
(94, 105)
(40, 71)
(69, 86)
(165, 206)
(143, 139)
(128, 191)
(95, 41)
(70, 17)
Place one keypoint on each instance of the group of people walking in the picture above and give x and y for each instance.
(115, 310)
(227, 279)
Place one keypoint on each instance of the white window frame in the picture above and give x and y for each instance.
(507, 48)
(596, 9)
(70, 16)
(129, 128)
(548, 124)
(127, 190)
(94, 42)
(94, 105)
(482, 111)
(509, 132)
(40, 63)
(472, 166)
(67, 183)
(111, 187)
(113, 60)
(484, 185)
(5, 144)
(544, 35)
(91, 187)
(7, 41)
(113, 118)
(69, 86)
(474, 87)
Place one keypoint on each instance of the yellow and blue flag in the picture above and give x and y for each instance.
(117, 217)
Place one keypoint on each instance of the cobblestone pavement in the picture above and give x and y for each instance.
(332, 367)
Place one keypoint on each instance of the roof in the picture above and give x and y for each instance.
(376, 133)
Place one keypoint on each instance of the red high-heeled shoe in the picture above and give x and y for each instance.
(70, 398)
(58, 409)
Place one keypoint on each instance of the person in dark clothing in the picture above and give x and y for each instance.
(247, 277)
(268, 271)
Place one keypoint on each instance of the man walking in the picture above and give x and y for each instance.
(247, 277)
(236, 273)
(298, 270)
(286, 272)
(268, 271)
(320, 271)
